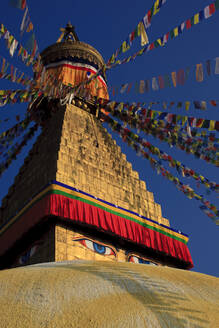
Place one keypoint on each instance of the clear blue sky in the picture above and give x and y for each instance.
(105, 25)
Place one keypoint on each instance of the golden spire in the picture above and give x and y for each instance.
(68, 33)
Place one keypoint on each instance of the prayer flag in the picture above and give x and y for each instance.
(211, 9)
(142, 86)
(201, 15)
(129, 87)
(187, 105)
(175, 31)
(181, 77)
(213, 103)
(144, 37)
(167, 82)
(21, 4)
(207, 12)
(208, 67)
(217, 65)
(156, 7)
(147, 85)
(188, 24)
(173, 75)
(212, 125)
(29, 27)
(161, 82)
(124, 87)
(24, 20)
(216, 4)
(199, 73)
(146, 21)
(155, 86)
(13, 47)
(196, 18)
(182, 26)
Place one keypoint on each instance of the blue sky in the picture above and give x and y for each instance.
(105, 25)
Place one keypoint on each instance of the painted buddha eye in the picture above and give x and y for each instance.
(136, 259)
(27, 255)
(96, 247)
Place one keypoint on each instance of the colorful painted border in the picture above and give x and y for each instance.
(64, 190)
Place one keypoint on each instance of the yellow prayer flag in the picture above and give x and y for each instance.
(173, 75)
(156, 9)
(139, 29)
(144, 37)
(187, 105)
(30, 27)
(112, 59)
(212, 125)
(196, 18)
(124, 46)
(10, 39)
(25, 95)
(2, 30)
(12, 95)
(175, 31)
(184, 120)
(159, 42)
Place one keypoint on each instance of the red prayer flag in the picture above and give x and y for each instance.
(188, 24)
(211, 8)
(129, 87)
(23, 4)
(151, 46)
(161, 82)
(213, 103)
(132, 36)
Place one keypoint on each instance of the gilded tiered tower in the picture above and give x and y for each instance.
(76, 196)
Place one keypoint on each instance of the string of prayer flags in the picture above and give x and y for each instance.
(170, 118)
(16, 130)
(14, 96)
(187, 190)
(9, 118)
(205, 13)
(197, 104)
(164, 131)
(25, 21)
(21, 4)
(173, 79)
(31, 45)
(13, 45)
(181, 168)
(15, 75)
(140, 30)
(5, 144)
(16, 149)
(26, 24)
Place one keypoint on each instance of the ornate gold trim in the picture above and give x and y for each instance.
(69, 48)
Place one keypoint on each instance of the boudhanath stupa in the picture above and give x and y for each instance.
(83, 243)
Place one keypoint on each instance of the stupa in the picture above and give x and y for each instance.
(76, 196)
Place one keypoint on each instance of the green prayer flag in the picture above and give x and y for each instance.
(216, 3)
(172, 34)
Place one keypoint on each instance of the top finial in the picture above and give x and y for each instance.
(68, 33)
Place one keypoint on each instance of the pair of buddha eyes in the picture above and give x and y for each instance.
(106, 250)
